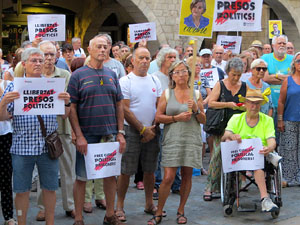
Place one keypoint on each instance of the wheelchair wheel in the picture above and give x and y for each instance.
(227, 192)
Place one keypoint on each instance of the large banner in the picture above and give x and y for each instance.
(243, 156)
(142, 31)
(103, 160)
(196, 19)
(238, 15)
(39, 96)
(232, 43)
(212, 76)
(275, 28)
(47, 26)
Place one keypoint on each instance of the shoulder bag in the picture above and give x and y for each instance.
(53, 142)
(216, 121)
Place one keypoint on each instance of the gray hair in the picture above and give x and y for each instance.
(234, 63)
(25, 43)
(47, 42)
(107, 36)
(74, 39)
(174, 65)
(274, 39)
(125, 46)
(194, 2)
(160, 58)
(217, 47)
(256, 62)
(293, 69)
(29, 52)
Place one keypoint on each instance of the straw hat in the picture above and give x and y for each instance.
(254, 95)
(256, 43)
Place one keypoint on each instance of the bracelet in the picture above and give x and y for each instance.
(279, 117)
(173, 118)
(276, 76)
(143, 130)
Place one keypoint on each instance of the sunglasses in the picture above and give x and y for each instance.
(261, 68)
(297, 61)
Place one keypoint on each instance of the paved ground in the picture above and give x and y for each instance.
(197, 211)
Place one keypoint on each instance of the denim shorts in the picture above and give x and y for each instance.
(23, 167)
(80, 162)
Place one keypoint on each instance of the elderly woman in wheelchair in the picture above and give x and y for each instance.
(254, 124)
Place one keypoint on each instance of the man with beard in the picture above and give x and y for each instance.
(279, 63)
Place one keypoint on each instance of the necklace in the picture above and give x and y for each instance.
(100, 75)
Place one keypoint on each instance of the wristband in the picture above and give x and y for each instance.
(279, 117)
(68, 105)
(173, 118)
(143, 130)
(276, 76)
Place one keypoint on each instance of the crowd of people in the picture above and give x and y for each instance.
(115, 93)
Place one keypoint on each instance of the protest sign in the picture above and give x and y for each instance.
(5, 67)
(232, 43)
(211, 75)
(47, 26)
(142, 31)
(238, 15)
(245, 76)
(103, 160)
(190, 13)
(275, 28)
(39, 96)
(243, 156)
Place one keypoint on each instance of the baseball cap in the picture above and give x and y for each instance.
(205, 51)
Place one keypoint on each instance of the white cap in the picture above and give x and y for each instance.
(205, 51)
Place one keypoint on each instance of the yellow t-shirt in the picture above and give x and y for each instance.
(264, 129)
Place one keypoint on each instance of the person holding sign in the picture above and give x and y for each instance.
(95, 119)
(182, 144)
(28, 145)
(196, 20)
(224, 96)
(253, 124)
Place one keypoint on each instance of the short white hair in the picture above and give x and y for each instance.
(47, 42)
(256, 62)
(160, 58)
(74, 39)
(31, 51)
(274, 39)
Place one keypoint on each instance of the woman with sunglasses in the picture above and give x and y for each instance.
(289, 124)
(258, 69)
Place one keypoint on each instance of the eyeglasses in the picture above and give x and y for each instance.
(297, 61)
(290, 48)
(49, 55)
(35, 61)
(180, 72)
(261, 68)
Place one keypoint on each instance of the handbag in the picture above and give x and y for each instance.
(216, 119)
(52, 141)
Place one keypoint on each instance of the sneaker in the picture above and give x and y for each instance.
(268, 206)
(274, 158)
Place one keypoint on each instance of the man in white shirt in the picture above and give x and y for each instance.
(217, 61)
(141, 93)
(78, 51)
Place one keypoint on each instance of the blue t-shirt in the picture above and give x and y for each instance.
(96, 92)
(269, 105)
(190, 23)
(276, 66)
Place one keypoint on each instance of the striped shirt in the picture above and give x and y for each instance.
(27, 136)
(96, 92)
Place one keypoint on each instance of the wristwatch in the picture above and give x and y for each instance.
(121, 132)
(68, 105)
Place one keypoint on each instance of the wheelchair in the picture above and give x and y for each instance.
(231, 183)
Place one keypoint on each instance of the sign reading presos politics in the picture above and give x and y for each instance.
(211, 75)
(47, 26)
(140, 31)
(39, 96)
(103, 160)
(243, 156)
(238, 15)
(196, 19)
(232, 43)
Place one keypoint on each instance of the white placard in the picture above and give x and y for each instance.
(140, 31)
(232, 43)
(47, 26)
(103, 160)
(243, 156)
(39, 96)
(4, 67)
(238, 15)
(245, 76)
(212, 76)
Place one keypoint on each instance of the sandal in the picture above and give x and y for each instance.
(153, 220)
(121, 215)
(181, 219)
(152, 211)
(207, 197)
